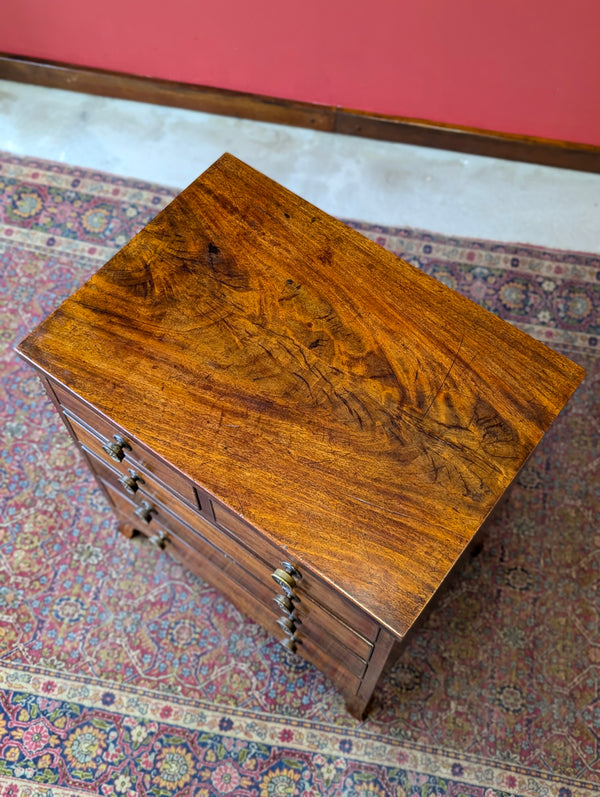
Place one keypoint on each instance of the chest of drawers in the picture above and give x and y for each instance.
(313, 426)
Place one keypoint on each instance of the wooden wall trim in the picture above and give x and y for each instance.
(166, 92)
(544, 151)
(548, 152)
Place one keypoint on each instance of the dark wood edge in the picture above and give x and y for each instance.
(544, 151)
(548, 152)
(165, 92)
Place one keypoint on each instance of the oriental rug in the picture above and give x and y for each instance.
(123, 674)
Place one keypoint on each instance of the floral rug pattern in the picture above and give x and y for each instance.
(122, 673)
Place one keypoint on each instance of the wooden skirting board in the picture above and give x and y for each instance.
(549, 152)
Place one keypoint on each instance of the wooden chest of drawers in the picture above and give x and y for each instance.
(313, 426)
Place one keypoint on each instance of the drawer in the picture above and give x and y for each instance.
(257, 580)
(308, 648)
(316, 624)
(329, 627)
(309, 587)
(195, 525)
(164, 523)
(312, 614)
(319, 631)
(266, 558)
(78, 412)
(147, 487)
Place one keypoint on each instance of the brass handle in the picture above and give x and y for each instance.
(284, 603)
(289, 643)
(159, 539)
(115, 450)
(145, 511)
(287, 625)
(287, 607)
(285, 581)
(291, 570)
(130, 483)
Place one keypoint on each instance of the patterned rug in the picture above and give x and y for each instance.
(121, 673)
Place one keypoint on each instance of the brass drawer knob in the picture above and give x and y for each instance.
(159, 539)
(287, 607)
(145, 512)
(291, 570)
(284, 603)
(115, 450)
(287, 625)
(285, 581)
(130, 483)
(289, 643)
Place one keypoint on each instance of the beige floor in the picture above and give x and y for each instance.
(349, 177)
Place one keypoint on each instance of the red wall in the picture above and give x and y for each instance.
(519, 66)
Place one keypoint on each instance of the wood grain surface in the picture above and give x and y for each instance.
(358, 413)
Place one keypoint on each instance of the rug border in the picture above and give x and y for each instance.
(308, 735)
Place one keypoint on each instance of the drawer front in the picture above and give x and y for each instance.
(308, 588)
(310, 633)
(135, 455)
(308, 648)
(144, 484)
(161, 523)
(251, 595)
(309, 610)
(313, 615)
(327, 631)
(316, 624)
(194, 524)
